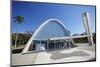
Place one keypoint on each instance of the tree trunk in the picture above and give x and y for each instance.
(16, 38)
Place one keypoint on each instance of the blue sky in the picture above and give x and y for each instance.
(36, 13)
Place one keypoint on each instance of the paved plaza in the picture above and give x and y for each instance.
(80, 53)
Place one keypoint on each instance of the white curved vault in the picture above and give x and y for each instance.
(50, 28)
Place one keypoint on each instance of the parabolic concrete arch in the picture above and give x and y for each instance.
(49, 28)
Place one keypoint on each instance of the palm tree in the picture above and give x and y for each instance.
(19, 20)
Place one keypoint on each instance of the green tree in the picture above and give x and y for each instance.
(18, 20)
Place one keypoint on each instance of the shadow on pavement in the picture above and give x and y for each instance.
(56, 55)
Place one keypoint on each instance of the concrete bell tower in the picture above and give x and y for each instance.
(86, 22)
